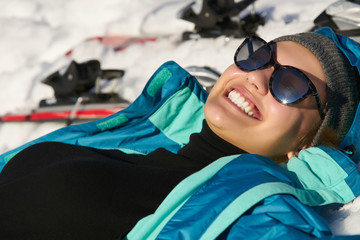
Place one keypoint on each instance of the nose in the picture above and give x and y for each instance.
(259, 80)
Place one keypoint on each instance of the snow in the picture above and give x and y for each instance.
(35, 35)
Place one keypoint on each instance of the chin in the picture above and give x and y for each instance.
(214, 113)
(215, 121)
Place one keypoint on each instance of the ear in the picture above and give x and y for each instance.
(292, 154)
(295, 153)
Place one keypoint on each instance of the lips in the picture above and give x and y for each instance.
(244, 103)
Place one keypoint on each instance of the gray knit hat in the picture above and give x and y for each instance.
(342, 81)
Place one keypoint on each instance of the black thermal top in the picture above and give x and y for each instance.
(55, 190)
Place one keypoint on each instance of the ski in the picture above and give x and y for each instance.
(78, 95)
(343, 17)
(115, 42)
(62, 114)
(77, 86)
(216, 18)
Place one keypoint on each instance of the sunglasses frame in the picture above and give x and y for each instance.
(312, 91)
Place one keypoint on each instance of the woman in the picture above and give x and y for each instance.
(247, 196)
(57, 190)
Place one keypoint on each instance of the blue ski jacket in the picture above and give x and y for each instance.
(236, 197)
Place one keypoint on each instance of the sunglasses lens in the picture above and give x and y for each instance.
(253, 55)
(289, 85)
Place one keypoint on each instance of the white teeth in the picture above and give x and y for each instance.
(247, 109)
(241, 100)
(236, 98)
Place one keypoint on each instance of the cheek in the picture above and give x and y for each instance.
(214, 112)
(219, 85)
(286, 120)
(231, 73)
(282, 130)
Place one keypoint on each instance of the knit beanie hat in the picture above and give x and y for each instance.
(342, 81)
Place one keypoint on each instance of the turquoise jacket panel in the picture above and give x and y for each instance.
(243, 197)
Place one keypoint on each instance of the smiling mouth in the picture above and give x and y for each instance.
(241, 102)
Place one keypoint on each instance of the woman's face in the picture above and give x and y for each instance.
(269, 128)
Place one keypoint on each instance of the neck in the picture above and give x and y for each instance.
(206, 146)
